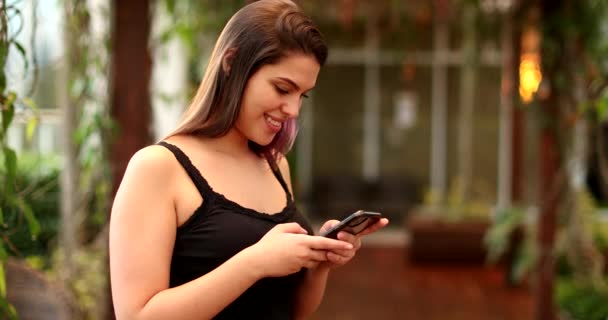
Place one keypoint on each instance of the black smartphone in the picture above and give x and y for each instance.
(354, 223)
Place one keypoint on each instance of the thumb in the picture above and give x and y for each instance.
(292, 227)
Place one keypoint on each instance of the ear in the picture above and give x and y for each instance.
(227, 59)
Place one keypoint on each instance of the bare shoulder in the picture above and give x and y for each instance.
(150, 173)
(154, 158)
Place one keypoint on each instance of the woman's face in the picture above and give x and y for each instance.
(274, 94)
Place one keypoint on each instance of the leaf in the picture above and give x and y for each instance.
(2, 281)
(31, 103)
(3, 254)
(1, 217)
(7, 309)
(602, 109)
(3, 55)
(8, 111)
(28, 213)
(23, 53)
(2, 79)
(170, 4)
(32, 123)
(10, 164)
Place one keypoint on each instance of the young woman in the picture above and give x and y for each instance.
(204, 223)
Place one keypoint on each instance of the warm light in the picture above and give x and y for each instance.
(529, 76)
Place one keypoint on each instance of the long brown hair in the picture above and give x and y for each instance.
(260, 33)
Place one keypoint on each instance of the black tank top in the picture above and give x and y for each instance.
(219, 229)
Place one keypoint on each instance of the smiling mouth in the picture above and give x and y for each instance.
(273, 122)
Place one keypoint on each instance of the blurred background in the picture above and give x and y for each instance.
(478, 127)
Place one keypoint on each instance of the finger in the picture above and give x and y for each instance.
(318, 255)
(292, 227)
(354, 240)
(343, 253)
(328, 225)
(337, 259)
(322, 243)
(311, 264)
(375, 227)
(348, 237)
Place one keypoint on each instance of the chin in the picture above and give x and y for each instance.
(262, 142)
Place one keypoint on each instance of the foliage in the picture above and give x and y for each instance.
(575, 78)
(30, 187)
(10, 104)
(581, 301)
(579, 242)
(510, 230)
(88, 87)
(90, 275)
(87, 59)
(39, 177)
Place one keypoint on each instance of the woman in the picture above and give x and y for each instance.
(204, 223)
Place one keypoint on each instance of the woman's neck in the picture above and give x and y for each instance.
(232, 144)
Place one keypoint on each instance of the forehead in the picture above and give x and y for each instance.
(303, 69)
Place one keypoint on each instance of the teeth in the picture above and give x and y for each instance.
(272, 121)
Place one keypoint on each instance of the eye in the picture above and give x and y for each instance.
(280, 90)
(305, 96)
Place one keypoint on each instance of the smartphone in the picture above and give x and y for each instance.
(354, 223)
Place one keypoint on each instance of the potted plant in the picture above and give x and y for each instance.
(449, 232)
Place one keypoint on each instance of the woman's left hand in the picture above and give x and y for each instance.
(336, 258)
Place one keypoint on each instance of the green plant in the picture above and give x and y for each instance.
(39, 180)
(581, 301)
(9, 103)
(511, 231)
(579, 243)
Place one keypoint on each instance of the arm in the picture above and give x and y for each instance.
(311, 290)
(142, 235)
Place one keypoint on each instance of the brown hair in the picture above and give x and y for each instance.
(260, 33)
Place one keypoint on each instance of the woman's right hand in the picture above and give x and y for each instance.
(287, 248)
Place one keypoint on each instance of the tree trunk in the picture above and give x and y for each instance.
(70, 193)
(549, 167)
(546, 233)
(130, 93)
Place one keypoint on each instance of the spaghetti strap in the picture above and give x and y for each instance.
(194, 174)
(277, 173)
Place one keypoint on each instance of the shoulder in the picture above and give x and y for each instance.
(151, 164)
(154, 157)
(147, 183)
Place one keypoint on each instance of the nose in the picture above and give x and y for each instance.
(291, 108)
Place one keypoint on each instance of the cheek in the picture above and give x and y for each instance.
(248, 115)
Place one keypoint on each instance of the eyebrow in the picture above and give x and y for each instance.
(295, 85)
